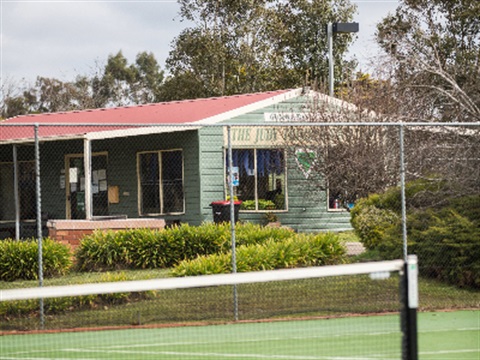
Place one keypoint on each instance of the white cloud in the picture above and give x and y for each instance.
(63, 39)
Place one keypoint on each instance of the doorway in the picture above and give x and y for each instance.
(75, 176)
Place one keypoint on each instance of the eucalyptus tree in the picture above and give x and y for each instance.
(433, 48)
(303, 40)
(246, 46)
(124, 84)
(116, 83)
(430, 72)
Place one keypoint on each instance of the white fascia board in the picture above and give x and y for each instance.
(251, 107)
(43, 139)
(144, 130)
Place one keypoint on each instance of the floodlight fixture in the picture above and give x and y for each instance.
(340, 28)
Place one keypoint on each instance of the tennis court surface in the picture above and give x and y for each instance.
(354, 311)
(443, 335)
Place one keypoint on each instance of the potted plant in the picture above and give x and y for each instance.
(271, 219)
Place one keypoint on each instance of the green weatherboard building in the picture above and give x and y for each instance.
(163, 161)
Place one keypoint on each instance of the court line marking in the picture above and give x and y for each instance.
(326, 336)
(254, 356)
(439, 352)
(42, 358)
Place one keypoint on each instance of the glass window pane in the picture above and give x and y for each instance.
(27, 189)
(7, 209)
(172, 181)
(245, 191)
(271, 179)
(266, 190)
(149, 183)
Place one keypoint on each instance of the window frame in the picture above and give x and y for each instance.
(285, 182)
(160, 183)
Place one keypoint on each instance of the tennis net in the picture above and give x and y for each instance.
(353, 311)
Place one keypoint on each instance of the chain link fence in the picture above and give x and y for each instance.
(390, 189)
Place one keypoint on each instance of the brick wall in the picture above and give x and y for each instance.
(70, 232)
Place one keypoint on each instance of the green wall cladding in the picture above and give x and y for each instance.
(204, 174)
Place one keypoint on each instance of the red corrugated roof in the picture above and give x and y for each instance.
(174, 112)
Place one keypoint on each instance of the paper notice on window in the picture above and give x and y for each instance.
(95, 177)
(102, 174)
(102, 185)
(73, 175)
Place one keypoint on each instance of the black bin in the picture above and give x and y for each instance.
(221, 211)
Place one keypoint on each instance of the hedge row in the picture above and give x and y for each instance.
(295, 251)
(259, 248)
(143, 248)
(444, 233)
(129, 249)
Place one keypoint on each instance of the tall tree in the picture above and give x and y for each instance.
(246, 46)
(434, 49)
(432, 74)
(115, 84)
(124, 84)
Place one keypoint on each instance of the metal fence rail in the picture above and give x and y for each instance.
(309, 174)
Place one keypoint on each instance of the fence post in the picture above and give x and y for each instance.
(87, 164)
(402, 191)
(232, 218)
(39, 222)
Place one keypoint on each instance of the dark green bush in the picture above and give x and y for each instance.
(371, 224)
(448, 246)
(19, 259)
(444, 232)
(295, 251)
(147, 249)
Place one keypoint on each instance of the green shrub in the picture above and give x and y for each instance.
(247, 205)
(444, 232)
(19, 259)
(249, 234)
(262, 205)
(149, 249)
(295, 251)
(448, 246)
(371, 224)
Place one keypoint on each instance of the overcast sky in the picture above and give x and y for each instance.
(62, 39)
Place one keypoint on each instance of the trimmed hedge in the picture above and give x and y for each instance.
(19, 259)
(295, 251)
(149, 249)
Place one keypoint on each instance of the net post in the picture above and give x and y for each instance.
(409, 311)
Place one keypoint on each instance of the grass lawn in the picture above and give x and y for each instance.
(290, 299)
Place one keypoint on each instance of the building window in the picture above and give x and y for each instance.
(261, 178)
(338, 200)
(161, 182)
(26, 191)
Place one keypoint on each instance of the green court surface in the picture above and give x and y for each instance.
(442, 335)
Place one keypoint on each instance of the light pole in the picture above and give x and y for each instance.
(340, 28)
